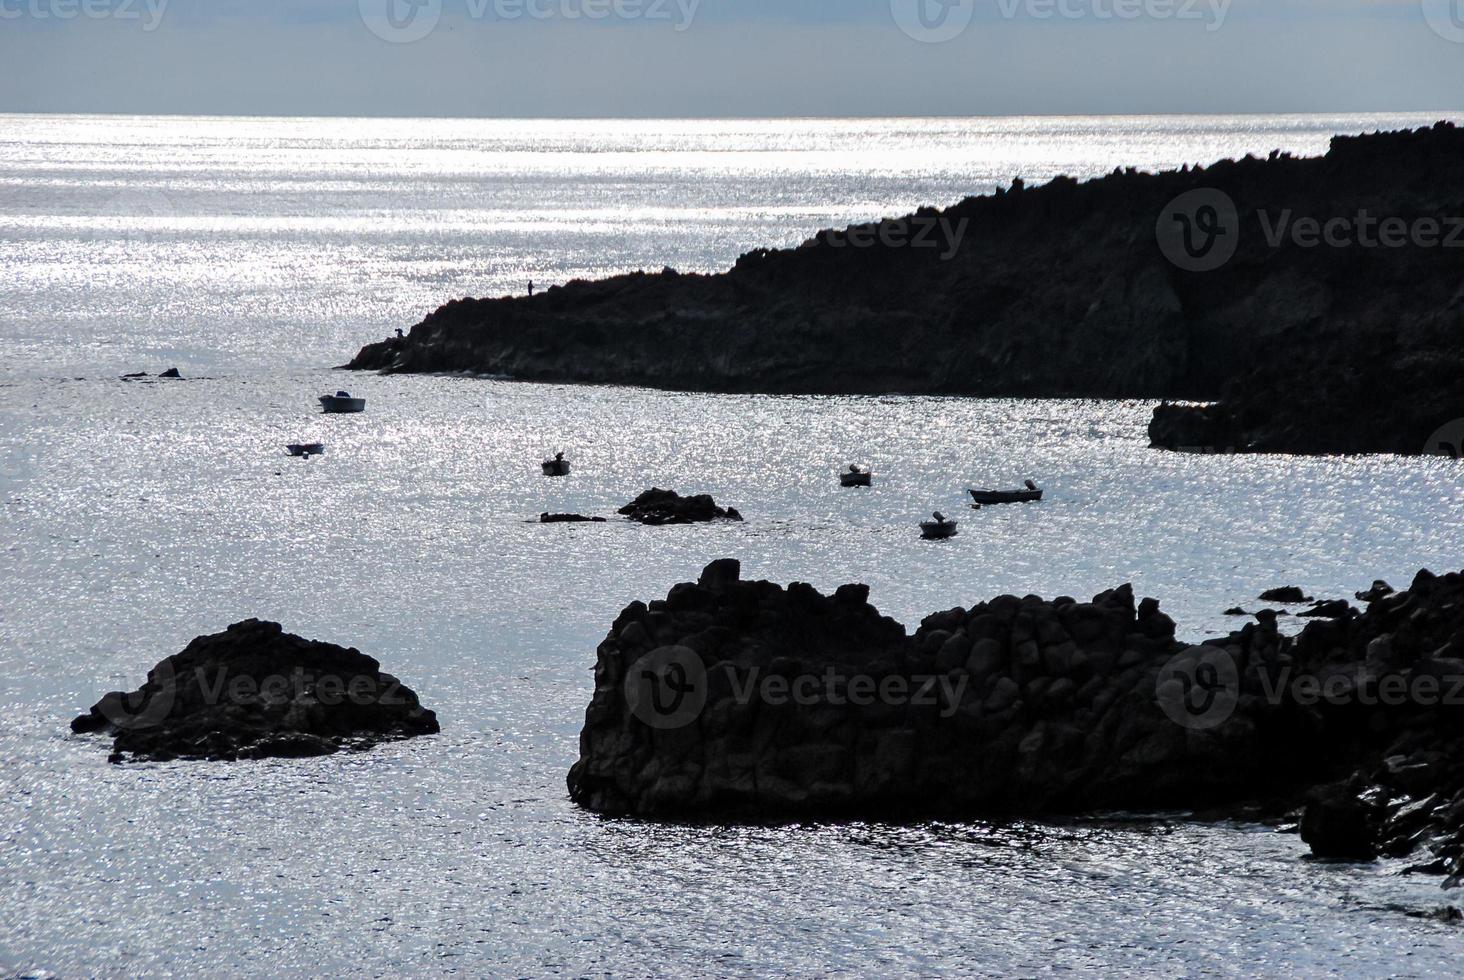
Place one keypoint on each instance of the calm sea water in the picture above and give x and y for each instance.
(255, 253)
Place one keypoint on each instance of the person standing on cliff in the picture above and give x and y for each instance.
(531, 288)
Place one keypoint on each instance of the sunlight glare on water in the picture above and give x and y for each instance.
(254, 254)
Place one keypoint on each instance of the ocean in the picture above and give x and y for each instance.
(254, 254)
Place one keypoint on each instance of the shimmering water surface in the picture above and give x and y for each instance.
(253, 254)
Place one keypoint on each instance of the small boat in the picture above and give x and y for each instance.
(558, 466)
(341, 403)
(856, 476)
(938, 529)
(1030, 495)
(306, 449)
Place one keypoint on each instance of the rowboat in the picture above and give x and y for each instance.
(306, 449)
(938, 529)
(558, 466)
(341, 403)
(1030, 495)
(856, 476)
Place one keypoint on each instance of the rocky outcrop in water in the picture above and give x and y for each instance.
(734, 699)
(1059, 290)
(255, 691)
(658, 507)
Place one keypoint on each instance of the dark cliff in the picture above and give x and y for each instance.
(1060, 290)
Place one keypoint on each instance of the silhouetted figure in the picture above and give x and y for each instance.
(940, 518)
(531, 287)
(559, 457)
(400, 335)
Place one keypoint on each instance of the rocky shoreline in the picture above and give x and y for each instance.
(253, 692)
(1063, 290)
(736, 700)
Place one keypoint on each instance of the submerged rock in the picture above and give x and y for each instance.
(172, 374)
(569, 519)
(657, 507)
(733, 700)
(1330, 609)
(255, 691)
(1289, 595)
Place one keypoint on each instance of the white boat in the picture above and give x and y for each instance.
(938, 529)
(856, 476)
(558, 466)
(341, 403)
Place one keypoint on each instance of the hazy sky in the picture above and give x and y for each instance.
(729, 57)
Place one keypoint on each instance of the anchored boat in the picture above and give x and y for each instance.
(341, 403)
(938, 529)
(856, 476)
(306, 449)
(1032, 494)
(558, 466)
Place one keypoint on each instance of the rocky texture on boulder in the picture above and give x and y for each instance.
(658, 507)
(255, 691)
(1308, 349)
(733, 699)
(1196, 428)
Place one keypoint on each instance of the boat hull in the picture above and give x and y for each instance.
(556, 468)
(931, 531)
(306, 449)
(1006, 496)
(335, 405)
(856, 479)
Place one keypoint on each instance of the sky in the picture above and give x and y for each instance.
(671, 58)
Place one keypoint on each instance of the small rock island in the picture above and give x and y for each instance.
(255, 691)
(738, 700)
